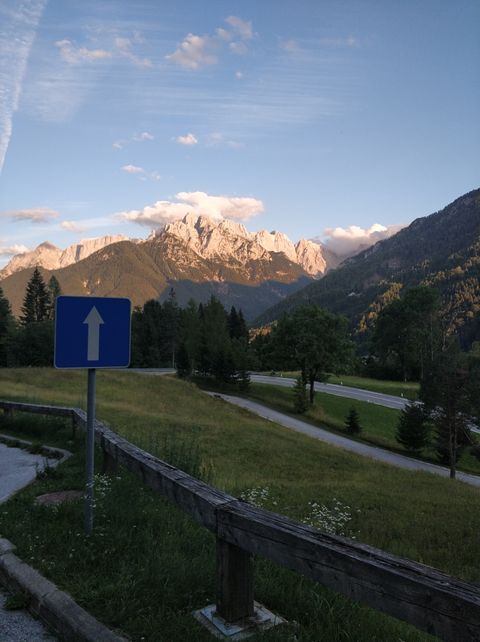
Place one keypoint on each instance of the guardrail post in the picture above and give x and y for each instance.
(8, 413)
(234, 582)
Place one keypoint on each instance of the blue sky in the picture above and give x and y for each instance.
(300, 116)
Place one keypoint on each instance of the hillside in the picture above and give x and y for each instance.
(198, 256)
(441, 250)
(148, 271)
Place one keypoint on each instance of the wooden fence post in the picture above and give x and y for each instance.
(234, 582)
(109, 464)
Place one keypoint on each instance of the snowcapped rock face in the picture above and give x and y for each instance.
(79, 251)
(46, 255)
(227, 240)
(210, 238)
(50, 257)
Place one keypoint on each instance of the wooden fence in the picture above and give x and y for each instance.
(420, 595)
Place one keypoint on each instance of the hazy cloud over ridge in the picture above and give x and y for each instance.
(347, 240)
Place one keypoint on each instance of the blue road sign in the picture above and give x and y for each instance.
(92, 332)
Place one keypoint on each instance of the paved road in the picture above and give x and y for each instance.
(19, 626)
(366, 450)
(378, 398)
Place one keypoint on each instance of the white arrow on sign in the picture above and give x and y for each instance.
(94, 321)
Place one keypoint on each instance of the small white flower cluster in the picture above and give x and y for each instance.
(102, 485)
(331, 520)
(258, 496)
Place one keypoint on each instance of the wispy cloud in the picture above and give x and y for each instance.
(18, 25)
(121, 47)
(141, 173)
(33, 214)
(133, 169)
(73, 226)
(188, 139)
(76, 55)
(217, 207)
(217, 138)
(242, 27)
(137, 138)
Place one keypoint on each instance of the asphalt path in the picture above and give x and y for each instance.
(389, 401)
(379, 454)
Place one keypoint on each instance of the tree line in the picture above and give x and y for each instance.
(28, 341)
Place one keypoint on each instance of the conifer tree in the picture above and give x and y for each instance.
(352, 423)
(54, 290)
(36, 304)
(6, 322)
(300, 401)
(412, 430)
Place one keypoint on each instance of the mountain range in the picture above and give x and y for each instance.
(197, 256)
(441, 250)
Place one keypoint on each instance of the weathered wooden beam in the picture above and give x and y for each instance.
(234, 576)
(418, 594)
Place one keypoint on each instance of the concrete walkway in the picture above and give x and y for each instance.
(18, 468)
(379, 454)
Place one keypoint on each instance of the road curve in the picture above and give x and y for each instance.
(379, 454)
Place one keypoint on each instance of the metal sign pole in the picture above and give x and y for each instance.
(90, 454)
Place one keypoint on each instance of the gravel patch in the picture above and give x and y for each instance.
(19, 626)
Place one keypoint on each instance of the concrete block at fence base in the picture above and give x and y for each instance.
(233, 631)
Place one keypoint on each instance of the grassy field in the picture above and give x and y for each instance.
(147, 566)
(378, 423)
(408, 389)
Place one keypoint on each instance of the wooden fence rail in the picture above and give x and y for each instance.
(420, 595)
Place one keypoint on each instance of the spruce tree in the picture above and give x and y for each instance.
(36, 304)
(300, 401)
(6, 323)
(352, 423)
(54, 290)
(412, 430)
(183, 363)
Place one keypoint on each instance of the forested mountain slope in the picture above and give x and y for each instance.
(441, 250)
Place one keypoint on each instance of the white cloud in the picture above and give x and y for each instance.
(18, 25)
(136, 138)
(33, 214)
(11, 250)
(217, 207)
(133, 169)
(239, 75)
(242, 27)
(73, 226)
(193, 52)
(346, 240)
(188, 139)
